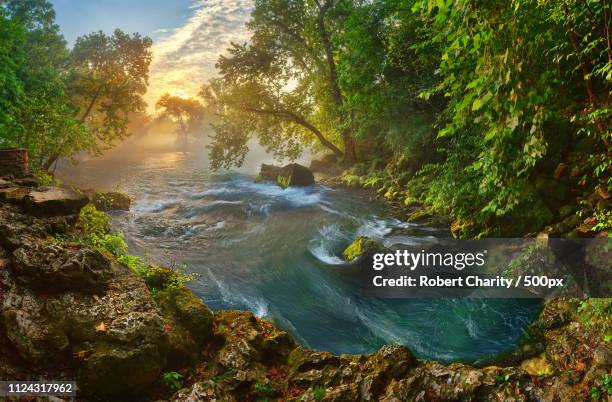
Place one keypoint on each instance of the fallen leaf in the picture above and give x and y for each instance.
(101, 327)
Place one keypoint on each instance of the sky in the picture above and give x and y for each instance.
(188, 35)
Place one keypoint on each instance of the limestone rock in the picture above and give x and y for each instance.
(60, 268)
(17, 229)
(53, 201)
(189, 324)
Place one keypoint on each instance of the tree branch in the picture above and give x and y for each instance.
(291, 116)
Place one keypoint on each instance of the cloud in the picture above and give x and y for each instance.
(185, 58)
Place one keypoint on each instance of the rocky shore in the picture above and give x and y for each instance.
(70, 310)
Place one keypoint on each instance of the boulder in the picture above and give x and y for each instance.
(292, 174)
(54, 201)
(61, 268)
(114, 339)
(111, 201)
(189, 324)
(363, 247)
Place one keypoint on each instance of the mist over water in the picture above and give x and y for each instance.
(277, 252)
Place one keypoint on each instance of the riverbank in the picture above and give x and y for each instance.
(406, 195)
(73, 310)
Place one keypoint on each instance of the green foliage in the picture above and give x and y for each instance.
(44, 178)
(318, 393)
(172, 380)
(223, 377)
(503, 378)
(507, 71)
(604, 389)
(596, 313)
(264, 389)
(57, 102)
(160, 277)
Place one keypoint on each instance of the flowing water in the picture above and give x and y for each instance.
(275, 252)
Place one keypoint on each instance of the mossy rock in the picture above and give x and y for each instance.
(187, 310)
(362, 246)
(111, 201)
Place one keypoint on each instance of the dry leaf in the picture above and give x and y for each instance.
(101, 327)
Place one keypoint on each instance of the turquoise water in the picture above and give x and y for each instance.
(275, 252)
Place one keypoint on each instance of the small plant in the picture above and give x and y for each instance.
(502, 378)
(606, 383)
(263, 389)
(595, 393)
(172, 380)
(605, 388)
(45, 178)
(283, 181)
(222, 377)
(318, 393)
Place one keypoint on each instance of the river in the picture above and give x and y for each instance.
(275, 252)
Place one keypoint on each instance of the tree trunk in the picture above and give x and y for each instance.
(350, 155)
(50, 161)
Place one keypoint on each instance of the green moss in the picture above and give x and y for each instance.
(360, 246)
(263, 389)
(283, 181)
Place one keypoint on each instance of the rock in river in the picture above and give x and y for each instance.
(292, 174)
(111, 201)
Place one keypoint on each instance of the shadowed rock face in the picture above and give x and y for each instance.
(294, 174)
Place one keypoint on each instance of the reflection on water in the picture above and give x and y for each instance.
(276, 253)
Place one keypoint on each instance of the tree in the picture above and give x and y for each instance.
(107, 79)
(12, 38)
(42, 117)
(524, 80)
(57, 102)
(282, 86)
(187, 113)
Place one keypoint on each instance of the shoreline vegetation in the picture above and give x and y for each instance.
(128, 329)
